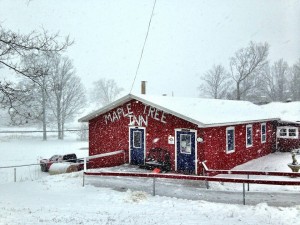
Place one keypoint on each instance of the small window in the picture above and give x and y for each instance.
(137, 139)
(185, 144)
(283, 132)
(263, 133)
(287, 132)
(292, 132)
(230, 139)
(249, 136)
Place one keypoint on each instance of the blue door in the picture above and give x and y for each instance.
(137, 146)
(185, 144)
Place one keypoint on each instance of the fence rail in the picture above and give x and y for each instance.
(39, 131)
(194, 177)
(13, 174)
(207, 179)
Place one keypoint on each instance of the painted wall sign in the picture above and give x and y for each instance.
(140, 120)
(149, 111)
(155, 113)
(136, 120)
(118, 114)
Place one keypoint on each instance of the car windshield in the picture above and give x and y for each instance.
(55, 157)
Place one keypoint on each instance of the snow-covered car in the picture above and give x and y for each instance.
(68, 158)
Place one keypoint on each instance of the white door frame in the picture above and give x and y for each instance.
(186, 130)
(130, 128)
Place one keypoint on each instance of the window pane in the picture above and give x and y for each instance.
(230, 140)
(137, 139)
(263, 133)
(249, 135)
(292, 132)
(185, 144)
(263, 129)
(282, 132)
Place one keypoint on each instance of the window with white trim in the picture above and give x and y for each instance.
(230, 142)
(263, 136)
(249, 139)
(287, 132)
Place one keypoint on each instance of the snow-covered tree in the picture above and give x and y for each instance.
(245, 64)
(105, 91)
(275, 81)
(295, 81)
(215, 82)
(38, 87)
(66, 93)
(14, 47)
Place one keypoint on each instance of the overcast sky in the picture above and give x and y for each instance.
(186, 37)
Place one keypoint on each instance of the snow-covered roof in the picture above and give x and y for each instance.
(286, 111)
(200, 111)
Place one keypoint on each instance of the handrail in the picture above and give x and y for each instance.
(102, 155)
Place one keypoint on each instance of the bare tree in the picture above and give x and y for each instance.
(38, 87)
(15, 46)
(66, 93)
(247, 62)
(216, 82)
(18, 100)
(105, 91)
(295, 81)
(275, 80)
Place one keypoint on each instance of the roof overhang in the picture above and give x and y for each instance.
(130, 97)
(239, 122)
(106, 108)
(287, 121)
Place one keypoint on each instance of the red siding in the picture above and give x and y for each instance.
(114, 136)
(215, 146)
(286, 144)
(107, 136)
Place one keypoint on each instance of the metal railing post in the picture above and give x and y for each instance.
(248, 182)
(244, 195)
(153, 191)
(83, 179)
(15, 174)
(206, 184)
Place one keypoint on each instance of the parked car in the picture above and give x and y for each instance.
(158, 158)
(67, 158)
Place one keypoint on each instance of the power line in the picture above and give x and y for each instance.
(137, 69)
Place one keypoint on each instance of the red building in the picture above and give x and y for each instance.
(288, 137)
(223, 133)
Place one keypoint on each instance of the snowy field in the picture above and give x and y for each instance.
(60, 199)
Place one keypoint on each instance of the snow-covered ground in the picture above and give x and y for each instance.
(61, 199)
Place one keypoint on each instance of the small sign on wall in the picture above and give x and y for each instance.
(171, 140)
